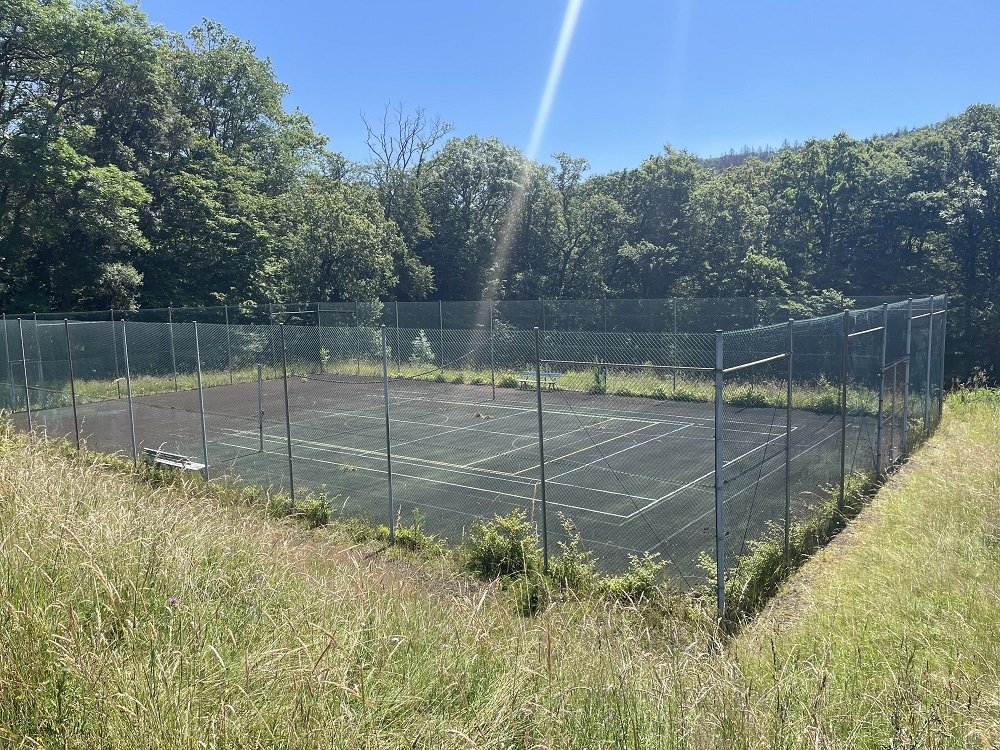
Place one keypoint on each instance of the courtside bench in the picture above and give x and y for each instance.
(549, 379)
(158, 457)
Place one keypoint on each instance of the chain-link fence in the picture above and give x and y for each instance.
(677, 442)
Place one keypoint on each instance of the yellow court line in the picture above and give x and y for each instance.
(585, 448)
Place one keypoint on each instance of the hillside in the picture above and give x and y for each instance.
(142, 616)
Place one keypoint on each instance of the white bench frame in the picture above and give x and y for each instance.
(160, 457)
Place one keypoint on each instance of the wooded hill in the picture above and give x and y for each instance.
(139, 167)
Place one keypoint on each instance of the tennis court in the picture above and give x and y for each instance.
(633, 474)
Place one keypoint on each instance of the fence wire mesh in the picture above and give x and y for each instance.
(603, 428)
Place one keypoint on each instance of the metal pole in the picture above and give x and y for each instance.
(541, 451)
(72, 383)
(260, 405)
(201, 401)
(881, 392)
(845, 345)
(892, 415)
(927, 389)
(906, 384)
(229, 343)
(440, 333)
(10, 374)
(944, 336)
(128, 391)
(720, 494)
(399, 362)
(42, 390)
(288, 421)
(24, 368)
(788, 443)
(114, 343)
(319, 336)
(753, 301)
(493, 355)
(673, 345)
(388, 438)
(357, 327)
(173, 350)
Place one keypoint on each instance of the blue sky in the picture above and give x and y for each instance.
(701, 75)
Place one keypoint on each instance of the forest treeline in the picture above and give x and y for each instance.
(144, 168)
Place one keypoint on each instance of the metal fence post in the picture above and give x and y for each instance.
(229, 343)
(493, 355)
(788, 443)
(881, 392)
(260, 405)
(288, 421)
(114, 343)
(10, 374)
(930, 356)
(201, 401)
(173, 350)
(541, 451)
(673, 345)
(24, 369)
(399, 361)
(720, 493)
(845, 348)
(906, 384)
(944, 337)
(319, 337)
(128, 391)
(388, 438)
(440, 334)
(72, 383)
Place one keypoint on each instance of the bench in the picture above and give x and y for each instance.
(159, 457)
(527, 379)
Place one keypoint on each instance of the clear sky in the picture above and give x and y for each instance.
(703, 75)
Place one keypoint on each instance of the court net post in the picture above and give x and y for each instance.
(541, 451)
(288, 421)
(128, 392)
(72, 383)
(388, 438)
(720, 530)
(201, 400)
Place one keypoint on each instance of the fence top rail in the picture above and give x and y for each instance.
(775, 358)
(876, 329)
(619, 364)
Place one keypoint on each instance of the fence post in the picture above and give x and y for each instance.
(944, 336)
(906, 384)
(720, 493)
(440, 334)
(43, 392)
(72, 383)
(541, 304)
(881, 392)
(229, 343)
(930, 356)
(10, 374)
(288, 421)
(114, 343)
(541, 451)
(260, 405)
(788, 443)
(201, 400)
(173, 350)
(388, 438)
(24, 368)
(399, 362)
(128, 391)
(845, 346)
(673, 345)
(493, 355)
(319, 337)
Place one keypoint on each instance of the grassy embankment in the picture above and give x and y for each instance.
(139, 614)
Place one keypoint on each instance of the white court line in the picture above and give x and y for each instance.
(707, 475)
(472, 488)
(711, 511)
(631, 447)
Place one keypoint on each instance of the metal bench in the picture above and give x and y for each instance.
(549, 379)
(159, 457)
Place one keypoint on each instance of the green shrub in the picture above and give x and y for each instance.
(412, 537)
(477, 380)
(420, 349)
(458, 379)
(574, 568)
(599, 381)
(507, 381)
(638, 583)
(530, 593)
(313, 509)
(439, 377)
(506, 546)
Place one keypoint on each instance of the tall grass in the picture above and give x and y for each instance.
(143, 615)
